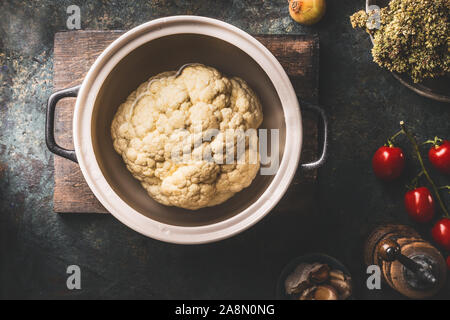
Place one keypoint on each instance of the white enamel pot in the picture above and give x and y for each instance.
(161, 45)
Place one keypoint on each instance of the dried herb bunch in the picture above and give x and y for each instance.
(413, 37)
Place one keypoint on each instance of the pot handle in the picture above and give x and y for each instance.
(319, 162)
(50, 123)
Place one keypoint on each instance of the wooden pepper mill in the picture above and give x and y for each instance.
(408, 263)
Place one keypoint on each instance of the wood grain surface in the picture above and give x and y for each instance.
(76, 51)
(411, 245)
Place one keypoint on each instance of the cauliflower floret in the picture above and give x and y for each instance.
(169, 117)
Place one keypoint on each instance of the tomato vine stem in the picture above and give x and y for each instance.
(425, 172)
(414, 181)
(436, 142)
(391, 139)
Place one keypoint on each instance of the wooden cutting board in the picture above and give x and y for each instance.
(76, 51)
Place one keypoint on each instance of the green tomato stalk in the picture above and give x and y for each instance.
(424, 170)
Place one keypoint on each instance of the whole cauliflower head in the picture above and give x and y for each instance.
(175, 113)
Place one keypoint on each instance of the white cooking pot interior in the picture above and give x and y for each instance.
(162, 45)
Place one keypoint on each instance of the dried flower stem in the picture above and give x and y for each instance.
(425, 172)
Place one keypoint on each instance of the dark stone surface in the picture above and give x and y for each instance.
(364, 104)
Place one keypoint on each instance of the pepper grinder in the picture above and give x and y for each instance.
(408, 263)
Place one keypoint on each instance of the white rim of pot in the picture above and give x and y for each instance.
(83, 119)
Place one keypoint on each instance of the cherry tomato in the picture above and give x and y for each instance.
(419, 204)
(441, 233)
(388, 163)
(440, 156)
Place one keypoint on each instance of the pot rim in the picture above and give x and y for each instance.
(93, 175)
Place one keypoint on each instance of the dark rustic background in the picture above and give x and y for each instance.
(363, 102)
